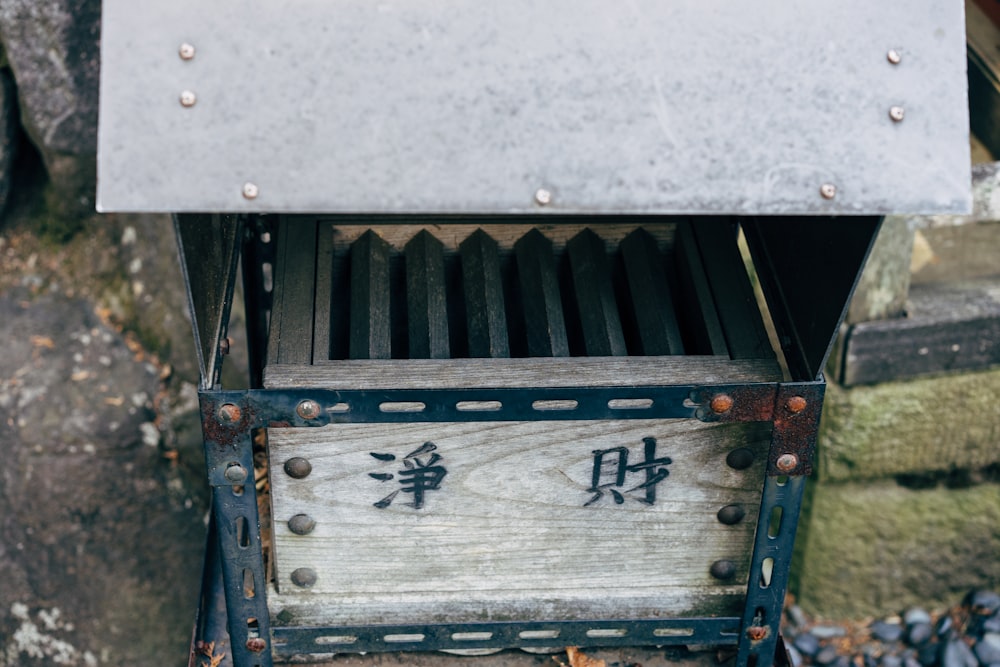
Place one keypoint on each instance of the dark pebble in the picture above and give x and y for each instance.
(943, 626)
(807, 644)
(886, 632)
(919, 634)
(956, 653)
(869, 660)
(826, 656)
(842, 661)
(928, 654)
(891, 660)
(983, 602)
(987, 649)
(916, 615)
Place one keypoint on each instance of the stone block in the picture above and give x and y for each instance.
(875, 548)
(923, 425)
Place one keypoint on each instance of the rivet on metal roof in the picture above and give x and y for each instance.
(896, 114)
(894, 57)
(188, 98)
(543, 197)
(250, 190)
(186, 51)
(828, 190)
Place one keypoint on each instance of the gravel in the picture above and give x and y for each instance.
(967, 635)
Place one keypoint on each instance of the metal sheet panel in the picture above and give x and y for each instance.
(454, 106)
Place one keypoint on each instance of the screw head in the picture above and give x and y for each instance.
(894, 57)
(796, 404)
(250, 190)
(721, 403)
(740, 459)
(186, 51)
(304, 577)
(301, 524)
(256, 644)
(308, 409)
(731, 515)
(543, 197)
(235, 473)
(229, 413)
(723, 569)
(828, 190)
(787, 462)
(298, 467)
(896, 114)
(188, 98)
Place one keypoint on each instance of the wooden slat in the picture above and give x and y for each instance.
(649, 292)
(512, 523)
(291, 337)
(370, 318)
(484, 302)
(697, 306)
(735, 302)
(544, 326)
(536, 372)
(325, 295)
(600, 326)
(426, 304)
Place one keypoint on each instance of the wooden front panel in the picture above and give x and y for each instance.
(460, 522)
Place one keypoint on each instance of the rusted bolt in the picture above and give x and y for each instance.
(188, 98)
(731, 515)
(308, 409)
(229, 413)
(755, 633)
(186, 51)
(796, 404)
(298, 467)
(256, 644)
(721, 403)
(740, 459)
(894, 57)
(543, 197)
(828, 190)
(304, 577)
(235, 473)
(896, 114)
(723, 569)
(301, 524)
(787, 462)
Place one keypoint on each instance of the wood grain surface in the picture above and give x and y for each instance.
(515, 527)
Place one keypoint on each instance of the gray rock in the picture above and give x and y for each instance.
(794, 656)
(916, 615)
(956, 653)
(52, 48)
(919, 634)
(891, 660)
(796, 615)
(992, 624)
(886, 632)
(807, 644)
(828, 631)
(825, 656)
(987, 649)
(983, 602)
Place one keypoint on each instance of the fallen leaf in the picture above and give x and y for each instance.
(79, 376)
(116, 401)
(578, 658)
(43, 341)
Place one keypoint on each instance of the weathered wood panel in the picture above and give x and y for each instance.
(291, 336)
(538, 372)
(514, 520)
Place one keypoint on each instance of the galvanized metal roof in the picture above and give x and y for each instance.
(583, 106)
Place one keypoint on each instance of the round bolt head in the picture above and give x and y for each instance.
(723, 569)
(731, 515)
(308, 409)
(740, 459)
(721, 403)
(896, 114)
(304, 577)
(796, 404)
(755, 633)
(543, 197)
(787, 462)
(186, 51)
(301, 524)
(828, 190)
(256, 644)
(250, 190)
(298, 467)
(188, 98)
(229, 413)
(235, 473)
(894, 57)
